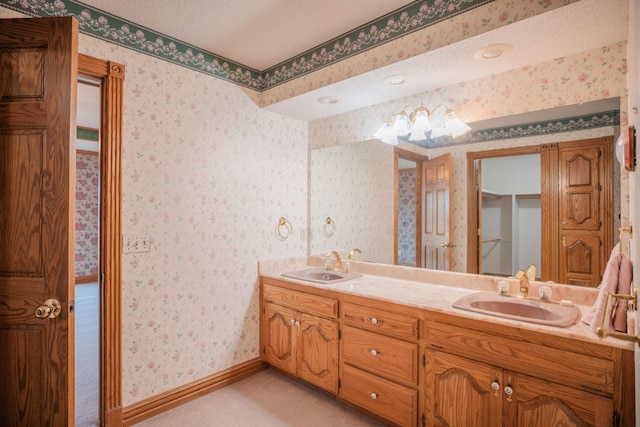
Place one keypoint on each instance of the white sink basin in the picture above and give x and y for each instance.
(320, 275)
(526, 310)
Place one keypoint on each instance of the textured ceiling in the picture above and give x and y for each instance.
(263, 33)
(256, 33)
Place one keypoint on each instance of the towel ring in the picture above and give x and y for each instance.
(329, 227)
(283, 222)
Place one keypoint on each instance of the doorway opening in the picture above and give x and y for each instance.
(407, 208)
(87, 255)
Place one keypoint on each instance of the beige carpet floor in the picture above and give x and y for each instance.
(87, 378)
(267, 399)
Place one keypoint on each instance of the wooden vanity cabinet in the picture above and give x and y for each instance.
(300, 334)
(412, 367)
(465, 392)
(473, 377)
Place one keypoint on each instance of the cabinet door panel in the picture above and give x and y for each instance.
(537, 403)
(580, 260)
(317, 352)
(459, 392)
(580, 189)
(279, 337)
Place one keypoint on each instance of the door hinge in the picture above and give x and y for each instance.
(615, 421)
(424, 360)
(102, 278)
(424, 420)
(339, 383)
(72, 306)
(339, 333)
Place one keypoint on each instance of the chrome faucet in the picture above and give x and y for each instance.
(338, 260)
(525, 278)
(353, 252)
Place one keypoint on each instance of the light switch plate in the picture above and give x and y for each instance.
(132, 243)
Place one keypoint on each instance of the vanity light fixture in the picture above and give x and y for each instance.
(421, 124)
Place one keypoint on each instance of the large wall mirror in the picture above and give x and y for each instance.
(354, 185)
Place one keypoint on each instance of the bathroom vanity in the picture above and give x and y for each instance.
(391, 344)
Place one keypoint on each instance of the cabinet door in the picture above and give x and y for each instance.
(459, 392)
(279, 337)
(580, 260)
(317, 352)
(537, 403)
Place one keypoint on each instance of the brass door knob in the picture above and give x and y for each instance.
(447, 245)
(50, 309)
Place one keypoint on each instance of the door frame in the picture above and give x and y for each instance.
(111, 75)
(419, 160)
(473, 191)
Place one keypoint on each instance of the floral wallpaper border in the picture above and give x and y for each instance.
(591, 121)
(88, 134)
(105, 26)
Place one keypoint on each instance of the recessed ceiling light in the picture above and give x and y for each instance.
(395, 80)
(493, 51)
(328, 100)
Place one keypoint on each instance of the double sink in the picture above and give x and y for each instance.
(526, 310)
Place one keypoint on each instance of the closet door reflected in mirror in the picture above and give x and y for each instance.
(550, 205)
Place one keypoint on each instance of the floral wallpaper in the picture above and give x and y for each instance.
(407, 216)
(87, 254)
(206, 174)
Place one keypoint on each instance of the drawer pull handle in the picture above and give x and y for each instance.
(292, 321)
(373, 396)
(374, 352)
(375, 321)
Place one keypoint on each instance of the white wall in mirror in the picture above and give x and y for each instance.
(511, 214)
(353, 184)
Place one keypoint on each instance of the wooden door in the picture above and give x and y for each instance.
(37, 176)
(437, 252)
(317, 352)
(538, 403)
(460, 392)
(585, 217)
(580, 189)
(279, 337)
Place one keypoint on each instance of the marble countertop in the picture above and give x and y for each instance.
(437, 291)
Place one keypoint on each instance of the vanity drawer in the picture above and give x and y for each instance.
(392, 401)
(389, 357)
(312, 304)
(400, 325)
